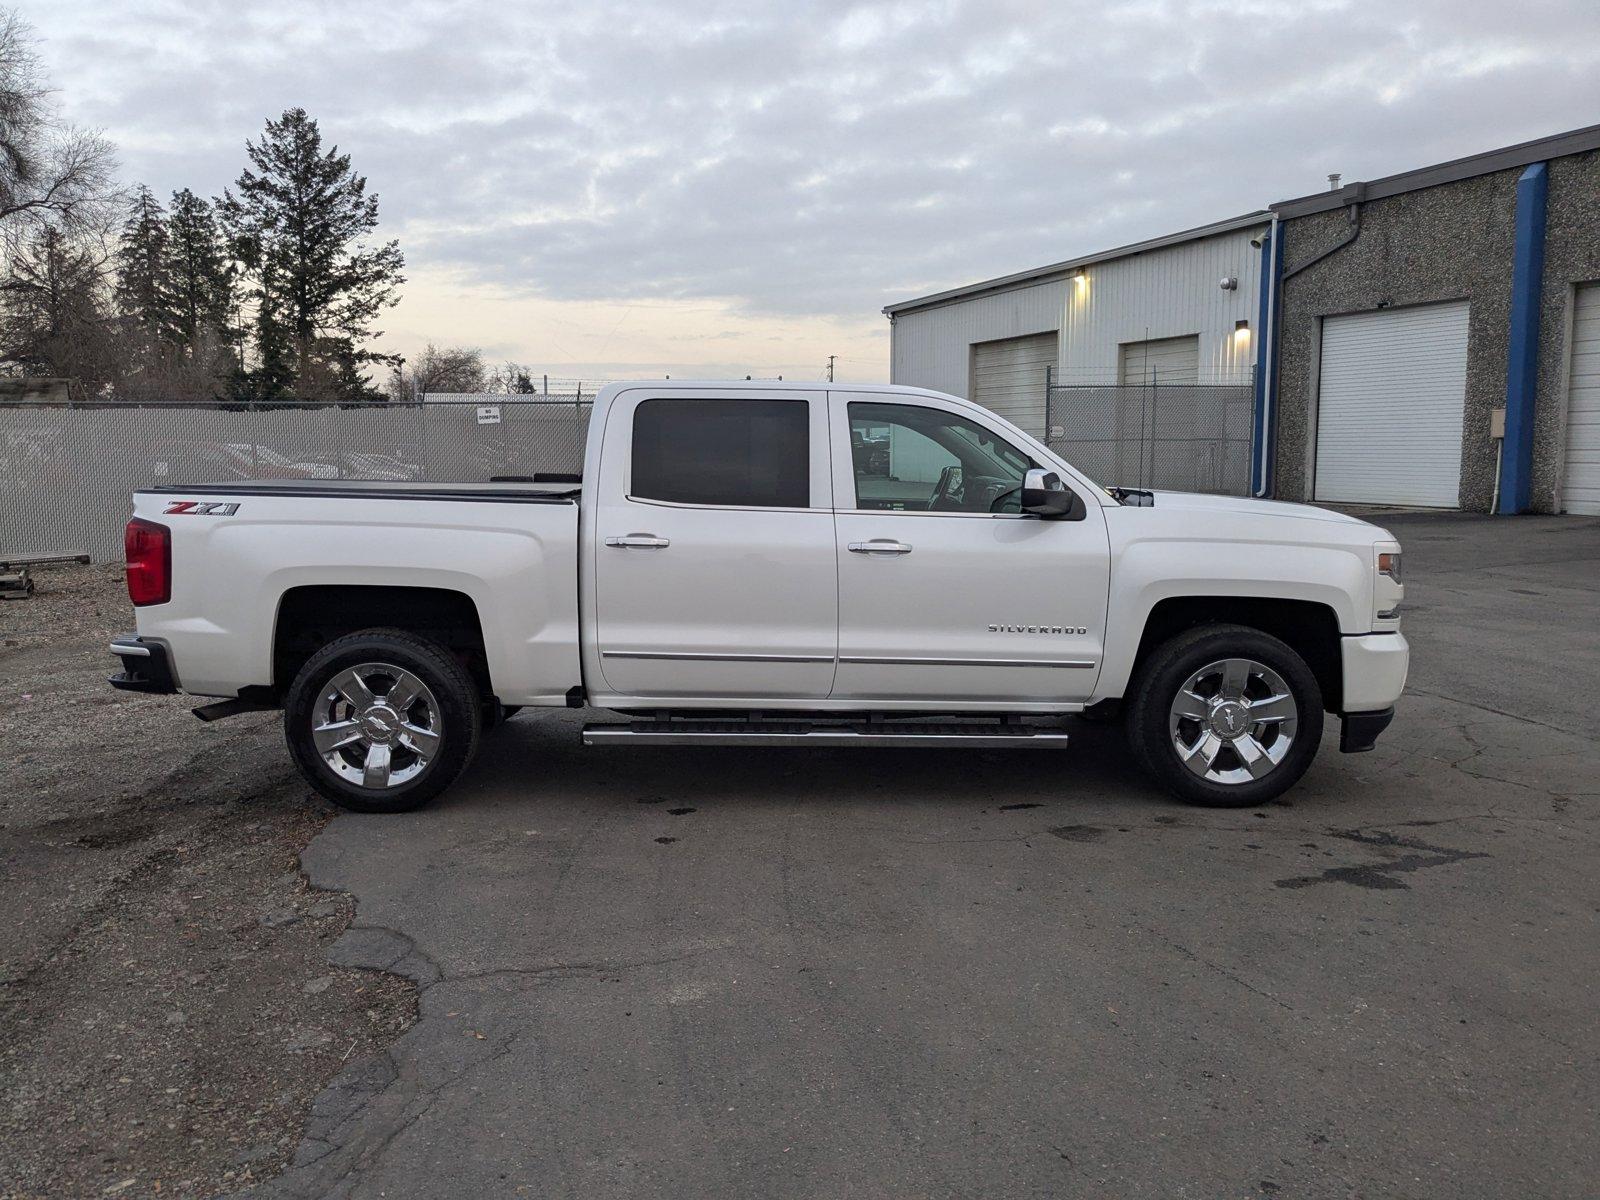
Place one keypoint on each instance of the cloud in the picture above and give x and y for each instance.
(813, 161)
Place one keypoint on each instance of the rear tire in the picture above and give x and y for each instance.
(382, 721)
(1225, 716)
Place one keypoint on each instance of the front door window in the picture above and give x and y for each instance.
(912, 459)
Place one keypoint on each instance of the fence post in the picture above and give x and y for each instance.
(1049, 371)
(1155, 414)
(422, 440)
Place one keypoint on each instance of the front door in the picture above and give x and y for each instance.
(714, 568)
(947, 591)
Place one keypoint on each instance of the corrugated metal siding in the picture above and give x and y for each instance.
(933, 348)
(1174, 292)
(1580, 491)
(1166, 360)
(1389, 410)
(1169, 292)
(1009, 377)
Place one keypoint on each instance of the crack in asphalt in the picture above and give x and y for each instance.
(1499, 712)
(1231, 976)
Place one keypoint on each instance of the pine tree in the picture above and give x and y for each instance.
(53, 319)
(199, 276)
(143, 290)
(299, 220)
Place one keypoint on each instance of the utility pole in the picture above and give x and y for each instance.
(831, 357)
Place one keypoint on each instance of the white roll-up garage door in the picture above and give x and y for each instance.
(1008, 377)
(1389, 408)
(1161, 360)
(1580, 491)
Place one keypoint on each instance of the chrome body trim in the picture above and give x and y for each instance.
(1068, 663)
(676, 656)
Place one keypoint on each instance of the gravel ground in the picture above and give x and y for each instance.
(167, 1014)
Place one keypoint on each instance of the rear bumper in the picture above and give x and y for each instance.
(145, 666)
(1375, 666)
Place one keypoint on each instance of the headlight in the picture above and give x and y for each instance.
(1387, 588)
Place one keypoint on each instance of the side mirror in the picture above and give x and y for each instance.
(1044, 495)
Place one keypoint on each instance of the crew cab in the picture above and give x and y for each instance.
(771, 565)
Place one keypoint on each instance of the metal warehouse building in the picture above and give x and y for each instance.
(1135, 362)
(1428, 339)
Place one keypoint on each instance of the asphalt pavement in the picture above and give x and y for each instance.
(714, 973)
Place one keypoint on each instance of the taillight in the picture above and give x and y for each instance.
(149, 551)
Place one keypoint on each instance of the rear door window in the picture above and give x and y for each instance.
(750, 453)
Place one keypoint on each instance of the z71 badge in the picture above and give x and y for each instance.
(201, 508)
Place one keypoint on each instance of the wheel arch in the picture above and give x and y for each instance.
(1309, 628)
(312, 615)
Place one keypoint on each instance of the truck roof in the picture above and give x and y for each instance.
(758, 385)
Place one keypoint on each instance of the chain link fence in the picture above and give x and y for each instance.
(1185, 437)
(67, 471)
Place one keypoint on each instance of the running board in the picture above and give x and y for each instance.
(801, 733)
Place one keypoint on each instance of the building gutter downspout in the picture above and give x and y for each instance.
(1358, 193)
(1264, 442)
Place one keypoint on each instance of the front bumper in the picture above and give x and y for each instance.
(1375, 666)
(1359, 731)
(145, 666)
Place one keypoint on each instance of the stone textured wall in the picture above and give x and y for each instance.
(1450, 242)
(1571, 256)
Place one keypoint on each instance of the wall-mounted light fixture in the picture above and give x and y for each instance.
(1228, 282)
(1080, 277)
(1241, 332)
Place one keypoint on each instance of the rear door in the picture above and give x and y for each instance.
(714, 566)
(948, 594)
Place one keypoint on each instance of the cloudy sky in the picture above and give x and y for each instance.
(608, 189)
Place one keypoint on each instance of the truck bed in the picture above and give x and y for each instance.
(241, 550)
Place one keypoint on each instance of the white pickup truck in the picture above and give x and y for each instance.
(771, 565)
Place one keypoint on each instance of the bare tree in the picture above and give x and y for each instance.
(51, 173)
(512, 378)
(440, 369)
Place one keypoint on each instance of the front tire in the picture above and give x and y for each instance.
(382, 720)
(1225, 716)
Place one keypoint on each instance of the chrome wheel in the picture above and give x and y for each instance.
(1233, 721)
(376, 725)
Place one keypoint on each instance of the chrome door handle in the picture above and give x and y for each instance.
(639, 541)
(879, 546)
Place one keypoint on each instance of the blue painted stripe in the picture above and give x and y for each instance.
(1522, 361)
